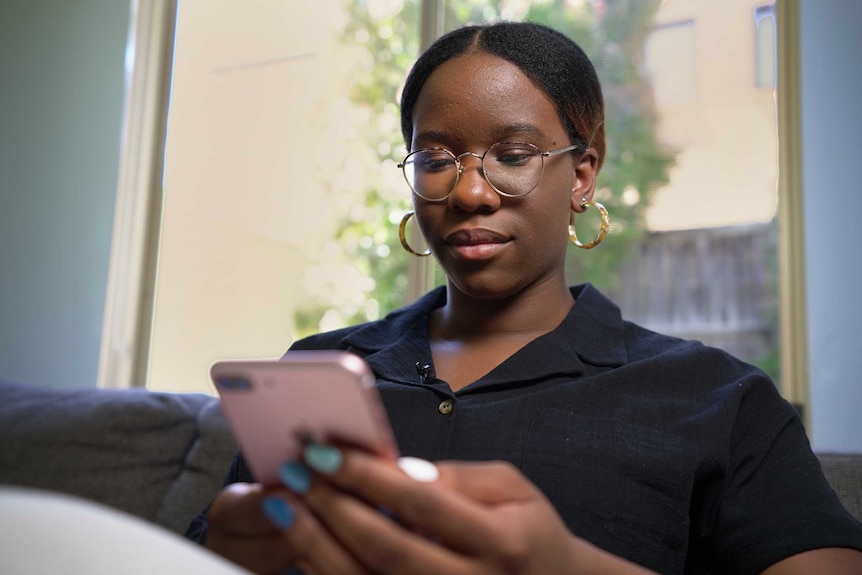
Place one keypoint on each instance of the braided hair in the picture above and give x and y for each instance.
(551, 60)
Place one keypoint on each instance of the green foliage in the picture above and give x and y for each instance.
(636, 163)
(393, 42)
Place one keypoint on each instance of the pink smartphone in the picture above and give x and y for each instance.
(275, 407)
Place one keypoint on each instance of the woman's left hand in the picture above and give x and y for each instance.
(474, 518)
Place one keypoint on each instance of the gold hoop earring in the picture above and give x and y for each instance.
(402, 227)
(603, 231)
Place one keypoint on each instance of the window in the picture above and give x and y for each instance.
(282, 198)
(278, 163)
(706, 267)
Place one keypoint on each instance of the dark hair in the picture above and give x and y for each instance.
(554, 62)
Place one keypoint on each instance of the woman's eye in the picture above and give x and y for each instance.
(515, 156)
(435, 163)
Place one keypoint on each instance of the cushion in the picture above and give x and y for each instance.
(204, 472)
(125, 448)
(844, 473)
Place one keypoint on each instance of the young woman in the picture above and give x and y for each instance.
(566, 440)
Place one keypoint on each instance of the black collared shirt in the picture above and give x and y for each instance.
(669, 453)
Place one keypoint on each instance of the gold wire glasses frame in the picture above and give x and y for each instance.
(515, 171)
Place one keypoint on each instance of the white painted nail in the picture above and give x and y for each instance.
(419, 469)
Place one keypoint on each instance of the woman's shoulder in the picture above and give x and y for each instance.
(643, 345)
(708, 377)
(667, 364)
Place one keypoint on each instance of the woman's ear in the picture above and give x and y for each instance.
(584, 184)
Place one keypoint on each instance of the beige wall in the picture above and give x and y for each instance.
(259, 99)
(702, 60)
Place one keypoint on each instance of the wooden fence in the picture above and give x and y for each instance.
(717, 285)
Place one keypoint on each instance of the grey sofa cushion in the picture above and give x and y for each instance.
(160, 456)
(205, 468)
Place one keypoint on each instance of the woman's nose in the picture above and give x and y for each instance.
(472, 192)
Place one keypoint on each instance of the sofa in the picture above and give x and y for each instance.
(159, 456)
(163, 456)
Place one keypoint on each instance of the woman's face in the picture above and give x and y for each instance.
(490, 246)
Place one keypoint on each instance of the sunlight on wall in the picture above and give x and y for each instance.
(259, 110)
(712, 110)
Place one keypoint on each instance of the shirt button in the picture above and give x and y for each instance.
(446, 406)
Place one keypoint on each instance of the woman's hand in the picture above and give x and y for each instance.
(238, 528)
(271, 531)
(475, 518)
(260, 529)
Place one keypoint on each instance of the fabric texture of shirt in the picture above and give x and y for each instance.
(669, 453)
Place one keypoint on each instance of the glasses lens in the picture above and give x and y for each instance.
(514, 169)
(431, 174)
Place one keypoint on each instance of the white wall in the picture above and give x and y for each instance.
(831, 76)
(61, 96)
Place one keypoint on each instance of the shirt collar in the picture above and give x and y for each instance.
(592, 333)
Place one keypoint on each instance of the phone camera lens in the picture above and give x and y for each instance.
(234, 383)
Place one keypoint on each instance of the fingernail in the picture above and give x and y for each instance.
(419, 469)
(323, 458)
(296, 477)
(278, 511)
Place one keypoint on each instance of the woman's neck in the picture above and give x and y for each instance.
(528, 313)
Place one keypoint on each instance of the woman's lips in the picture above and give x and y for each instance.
(476, 244)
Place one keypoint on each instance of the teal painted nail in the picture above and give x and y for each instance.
(278, 511)
(323, 458)
(296, 477)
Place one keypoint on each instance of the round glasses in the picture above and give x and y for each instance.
(513, 169)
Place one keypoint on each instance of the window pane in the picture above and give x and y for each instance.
(276, 219)
(283, 198)
(691, 172)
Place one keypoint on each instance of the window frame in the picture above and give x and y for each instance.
(793, 330)
(130, 295)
